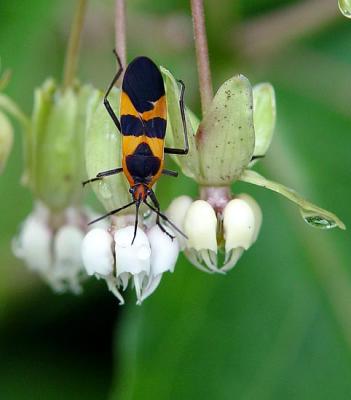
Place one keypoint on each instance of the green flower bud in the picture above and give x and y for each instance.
(175, 132)
(54, 160)
(226, 136)
(264, 117)
(224, 141)
(6, 139)
(6, 130)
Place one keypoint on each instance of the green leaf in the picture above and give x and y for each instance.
(103, 152)
(264, 117)
(175, 130)
(311, 213)
(226, 137)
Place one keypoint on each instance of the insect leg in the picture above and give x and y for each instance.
(169, 173)
(256, 157)
(169, 150)
(112, 212)
(164, 217)
(102, 174)
(106, 102)
(157, 210)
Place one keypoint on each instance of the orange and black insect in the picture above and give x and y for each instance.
(143, 113)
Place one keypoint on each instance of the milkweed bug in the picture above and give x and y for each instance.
(143, 113)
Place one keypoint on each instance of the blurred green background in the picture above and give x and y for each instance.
(276, 327)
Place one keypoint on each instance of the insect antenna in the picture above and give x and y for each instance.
(112, 212)
(137, 204)
(165, 219)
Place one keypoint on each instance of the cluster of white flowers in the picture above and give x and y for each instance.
(54, 253)
(113, 257)
(237, 221)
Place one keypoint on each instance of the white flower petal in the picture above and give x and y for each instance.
(200, 226)
(176, 212)
(256, 210)
(34, 245)
(134, 259)
(67, 246)
(164, 250)
(68, 263)
(150, 288)
(111, 282)
(239, 224)
(232, 258)
(97, 252)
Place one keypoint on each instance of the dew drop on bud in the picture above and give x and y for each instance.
(105, 190)
(317, 221)
(345, 7)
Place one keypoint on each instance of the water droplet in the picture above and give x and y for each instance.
(317, 220)
(105, 190)
(345, 7)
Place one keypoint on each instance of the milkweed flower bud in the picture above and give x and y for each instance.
(242, 220)
(54, 160)
(176, 211)
(117, 260)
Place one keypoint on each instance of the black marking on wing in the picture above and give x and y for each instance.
(142, 165)
(143, 83)
(134, 126)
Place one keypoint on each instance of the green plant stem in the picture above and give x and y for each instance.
(71, 59)
(203, 64)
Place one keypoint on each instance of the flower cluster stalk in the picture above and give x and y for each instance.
(71, 59)
(203, 63)
(120, 32)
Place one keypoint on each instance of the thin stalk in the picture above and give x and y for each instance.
(203, 64)
(71, 59)
(120, 31)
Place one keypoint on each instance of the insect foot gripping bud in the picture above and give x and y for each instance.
(50, 238)
(234, 134)
(114, 258)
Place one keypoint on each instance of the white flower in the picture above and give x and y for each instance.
(200, 225)
(53, 252)
(115, 259)
(233, 230)
(97, 252)
(178, 209)
(242, 220)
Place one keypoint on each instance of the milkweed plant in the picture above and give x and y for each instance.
(70, 137)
